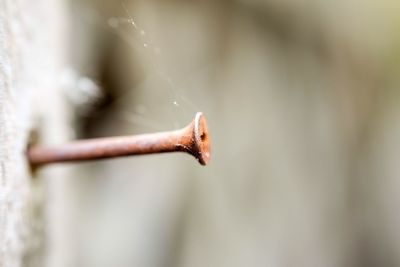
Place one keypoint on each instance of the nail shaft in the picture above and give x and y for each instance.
(192, 139)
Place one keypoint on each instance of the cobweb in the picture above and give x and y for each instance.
(138, 38)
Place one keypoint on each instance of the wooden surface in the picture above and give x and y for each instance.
(32, 60)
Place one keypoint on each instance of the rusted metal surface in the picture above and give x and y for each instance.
(193, 139)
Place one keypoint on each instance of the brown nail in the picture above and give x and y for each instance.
(193, 139)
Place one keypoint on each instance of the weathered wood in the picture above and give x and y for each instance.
(32, 58)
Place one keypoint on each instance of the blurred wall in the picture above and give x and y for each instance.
(302, 103)
(33, 209)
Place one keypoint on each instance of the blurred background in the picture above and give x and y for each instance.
(302, 101)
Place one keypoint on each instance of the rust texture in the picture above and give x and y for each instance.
(193, 139)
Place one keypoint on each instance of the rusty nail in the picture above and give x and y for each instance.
(193, 139)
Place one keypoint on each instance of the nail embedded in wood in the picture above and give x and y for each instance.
(193, 139)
